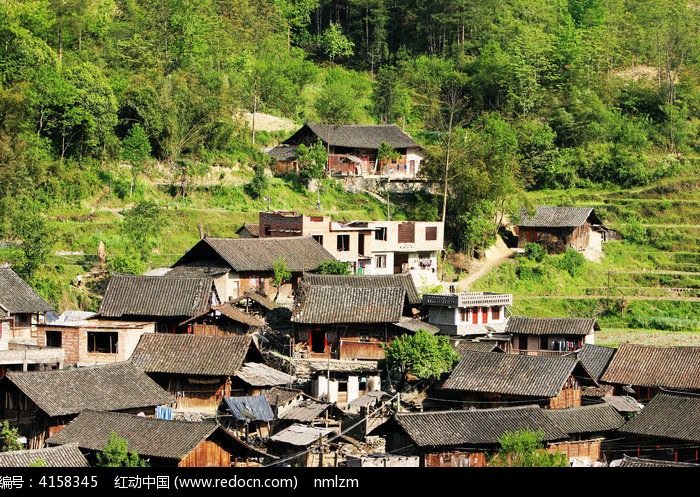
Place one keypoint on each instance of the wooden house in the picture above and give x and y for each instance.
(352, 150)
(248, 263)
(347, 322)
(64, 456)
(467, 313)
(40, 403)
(223, 319)
(491, 379)
(161, 442)
(255, 304)
(200, 370)
(21, 309)
(665, 429)
(167, 301)
(462, 438)
(89, 342)
(550, 336)
(643, 370)
(560, 228)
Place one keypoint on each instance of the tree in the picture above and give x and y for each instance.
(35, 239)
(280, 275)
(259, 184)
(523, 448)
(333, 267)
(142, 226)
(135, 150)
(422, 354)
(116, 454)
(335, 44)
(385, 154)
(9, 438)
(312, 161)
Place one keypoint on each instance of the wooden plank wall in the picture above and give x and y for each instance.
(455, 460)
(587, 448)
(206, 455)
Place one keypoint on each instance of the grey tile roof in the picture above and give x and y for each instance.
(587, 419)
(65, 456)
(147, 436)
(231, 312)
(655, 366)
(360, 136)
(17, 296)
(283, 152)
(638, 462)
(480, 346)
(668, 415)
(595, 358)
(202, 269)
(623, 403)
(334, 304)
(597, 391)
(256, 297)
(135, 295)
(257, 374)
(404, 281)
(249, 408)
(300, 435)
(109, 387)
(511, 374)
(556, 217)
(304, 411)
(475, 427)
(368, 398)
(191, 354)
(300, 253)
(551, 326)
(410, 324)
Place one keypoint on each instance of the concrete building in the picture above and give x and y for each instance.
(468, 313)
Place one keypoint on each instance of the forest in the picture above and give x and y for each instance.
(506, 96)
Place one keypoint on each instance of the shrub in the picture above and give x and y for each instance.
(535, 252)
(572, 262)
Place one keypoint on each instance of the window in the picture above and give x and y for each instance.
(495, 313)
(53, 338)
(431, 233)
(343, 244)
(463, 314)
(407, 232)
(267, 229)
(318, 238)
(102, 342)
(543, 342)
(380, 261)
(380, 234)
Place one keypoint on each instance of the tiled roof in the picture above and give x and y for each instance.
(623, 403)
(637, 462)
(234, 313)
(335, 304)
(17, 296)
(556, 217)
(65, 456)
(655, 366)
(304, 411)
(281, 395)
(256, 297)
(595, 358)
(668, 415)
(587, 419)
(359, 136)
(109, 387)
(147, 436)
(249, 408)
(477, 426)
(551, 326)
(511, 374)
(257, 374)
(202, 269)
(410, 324)
(283, 152)
(135, 295)
(404, 280)
(479, 346)
(300, 253)
(597, 391)
(191, 354)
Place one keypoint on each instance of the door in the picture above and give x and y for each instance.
(475, 315)
(318, 341)
(484, 314)
(361, 243)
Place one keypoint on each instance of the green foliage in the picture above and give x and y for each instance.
(335, 44)
(142, 226)
(524, 448)
(9, 436)
(115, 454)
(39, 463)
(386, 153)
(28, 225)
(312, 161)
(535, 252)
(280, 272)
(572, 262)
(260, 183)
(334, 267)
(129, 262)
(421, 354)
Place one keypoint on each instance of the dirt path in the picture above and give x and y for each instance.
(494, 256)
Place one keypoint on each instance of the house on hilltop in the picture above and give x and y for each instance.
(352, 149)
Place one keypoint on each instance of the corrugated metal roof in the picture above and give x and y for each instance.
(551, 326)
(668, 415)
(300, 253)
(249, 408)
(333, 304)
(109, 387)
(18, 297)
(147, 436)
(300, 435)
(557, 217)
(135, 295)
(257, 374)
(595, 358)
(192, 354)
(587, 419)
(368, 398)
(475, 426)
(510, 374)
(411, 324)
(358, 136)
(655, 366)
(404, 280)
(65, 456)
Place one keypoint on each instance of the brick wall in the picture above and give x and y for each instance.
(280, 224)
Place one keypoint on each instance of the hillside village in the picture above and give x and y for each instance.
(216, 360)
